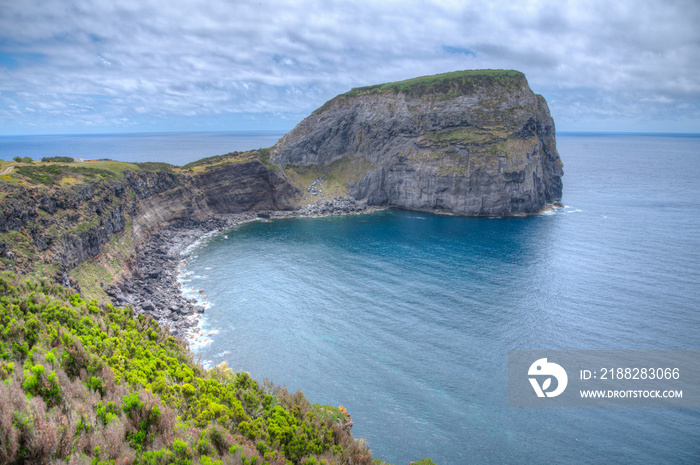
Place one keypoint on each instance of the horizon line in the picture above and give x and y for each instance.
(564, 133)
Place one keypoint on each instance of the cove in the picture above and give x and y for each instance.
(406, 318)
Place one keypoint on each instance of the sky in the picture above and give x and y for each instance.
(105, 66)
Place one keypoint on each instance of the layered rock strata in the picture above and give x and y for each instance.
(468, 143)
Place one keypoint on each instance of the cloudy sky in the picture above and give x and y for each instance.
(86, 66)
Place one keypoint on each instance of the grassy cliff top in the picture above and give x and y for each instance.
(447, 83)
(60, 171)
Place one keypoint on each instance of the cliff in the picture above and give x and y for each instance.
(468, 143)
(55, 217)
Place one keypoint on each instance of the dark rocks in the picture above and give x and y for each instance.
(246, 187)
(334, 206)
(48, 204)
(152, 287)
(146, 184)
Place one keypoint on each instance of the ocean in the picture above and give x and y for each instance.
(175, 148)
(406, 318)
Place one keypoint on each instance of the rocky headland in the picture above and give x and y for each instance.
(467, 143)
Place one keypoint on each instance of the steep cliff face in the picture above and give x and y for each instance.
(57, 227)
(471, 143)
(60, 225)
(235, 188)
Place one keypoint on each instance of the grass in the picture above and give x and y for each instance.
(334, 177)
(64, 173)
(232, 158)
(440, 86)
(211, 160)
(460, 81)
(68, 181)
(156, 166)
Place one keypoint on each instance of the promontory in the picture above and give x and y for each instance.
(468, 142)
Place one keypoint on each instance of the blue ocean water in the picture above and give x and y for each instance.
(406, 318)
(174, 148)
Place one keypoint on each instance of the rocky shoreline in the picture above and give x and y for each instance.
(151, 284)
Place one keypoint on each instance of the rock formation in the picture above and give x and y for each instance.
(469, 143)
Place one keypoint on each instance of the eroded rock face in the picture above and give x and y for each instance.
(68, 225)
(245, 187)
(471, 143)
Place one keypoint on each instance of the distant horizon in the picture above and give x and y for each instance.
(284, 131)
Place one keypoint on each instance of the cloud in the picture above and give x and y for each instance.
(117, 64)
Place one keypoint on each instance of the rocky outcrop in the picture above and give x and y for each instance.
(469, 143)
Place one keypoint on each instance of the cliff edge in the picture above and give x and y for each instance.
(469, 142)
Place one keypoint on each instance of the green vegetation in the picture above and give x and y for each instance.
(211, 160)
(463, 81)
(57, 160)
(442, 86)
(466, 136)
(156, 166)
(60, 174)
(100, 384)
(209, 163)
(334, 178)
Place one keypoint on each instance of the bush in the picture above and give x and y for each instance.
(57, 159)
(108, 385)
(37, 383)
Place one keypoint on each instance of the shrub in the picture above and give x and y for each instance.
(109, 386)
(37, 383)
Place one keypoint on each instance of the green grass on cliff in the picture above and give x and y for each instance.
(334, 178)
(54, 174)
(440, 86)
(467, 135)
(82, 383)
(456, 82)
(208, 163)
